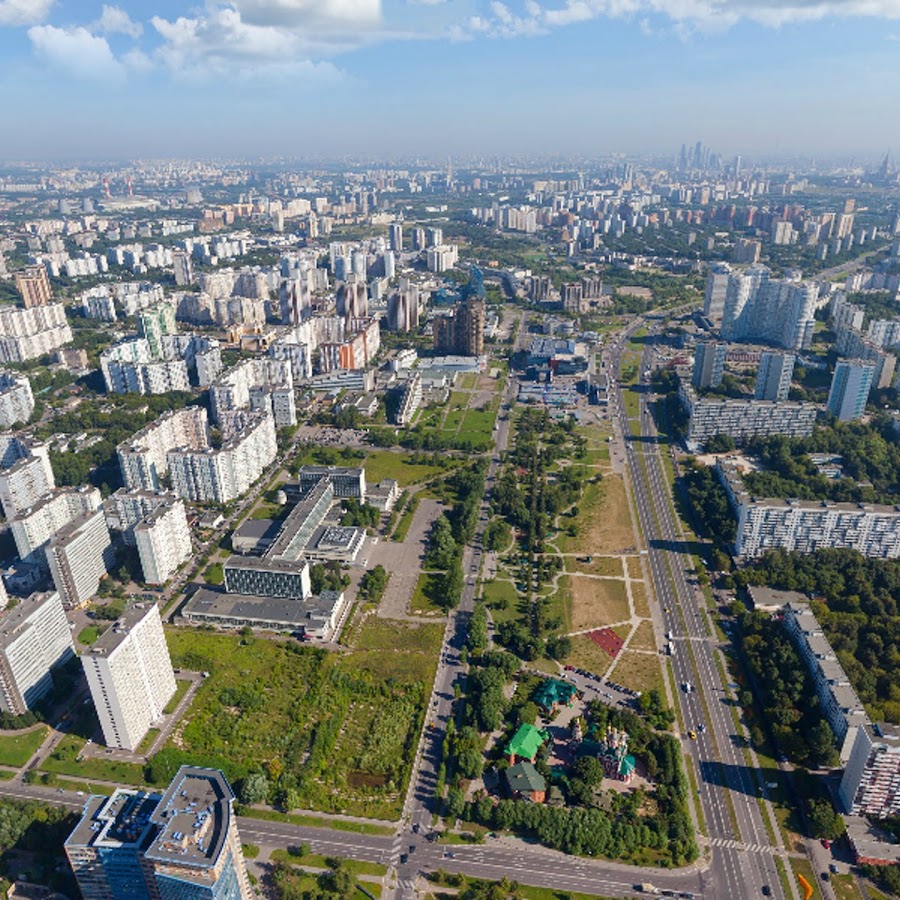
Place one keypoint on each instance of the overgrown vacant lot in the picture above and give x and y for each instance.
(338, 730)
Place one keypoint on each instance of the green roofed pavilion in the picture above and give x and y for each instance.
(526, 742)
(553, 693)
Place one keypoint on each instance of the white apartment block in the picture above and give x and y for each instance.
(840, 706)
(34, 526)
(411, 400)
(79, 555)
(743, 419)
(871, 782)
(16, 399)
(760, 308)
(808, 525)
(34, 639)
(143, 459)
(220, 476)
(441, 257)
(163, 541)
(28, 333)
(234, 390)
(26, 477)
(130, 676)
(129, 367)
(98, 303)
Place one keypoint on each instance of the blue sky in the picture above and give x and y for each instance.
(402, 78)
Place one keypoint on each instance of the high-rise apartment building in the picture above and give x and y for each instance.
(716, 289)
(130, 675)
(870, 785)
(234, 389)
(746, 251)
(804, 526)
(25, 474)
(16, 400)
(403, 307)
(410, 401)
(79, 555)
(142, 458)
(850, 387)
(743, 419)
(760, 308)
(35, 638)
(34, 526)
(395, 237)
(462, 331)
(34, 286)
(130, 367)
(441, 257)
(773, 380)
(28, 333)
(181, 262)
(220, 476)
(153, 323)
(163, 541)
(183, 845)
(709, 364)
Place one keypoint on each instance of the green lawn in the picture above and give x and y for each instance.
(17, 749)
(381, 464)
(88, 635)
(502, 599)
(151, 735)
(403, 525)
(845, 887)
(269, 815)
(427, 595)
(802, 867)
(342, 727)
(316, 861)
(182, 685)
(215, 574)
(64, 761)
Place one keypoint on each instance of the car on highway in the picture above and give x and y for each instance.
(766, 890)
(692, 734)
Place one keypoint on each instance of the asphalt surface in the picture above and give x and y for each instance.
(742, 855)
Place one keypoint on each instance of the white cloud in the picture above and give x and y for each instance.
(24, 12)
(310, 13)
(77, 51)
(221, 43)
(114, 20)
(503, 21)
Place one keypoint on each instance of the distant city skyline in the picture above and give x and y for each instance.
(307, 78)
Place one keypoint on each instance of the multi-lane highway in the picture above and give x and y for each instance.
(742, 852)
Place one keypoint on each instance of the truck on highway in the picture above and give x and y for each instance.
(646, 888)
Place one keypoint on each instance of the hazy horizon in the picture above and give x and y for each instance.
(343, 78)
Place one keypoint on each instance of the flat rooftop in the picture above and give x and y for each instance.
(121, 820)
(116, 634)
(275, 613)
(13, 621)
(194, 816)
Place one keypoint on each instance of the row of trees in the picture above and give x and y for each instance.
(790, 703)
(870, 456)
(859, 612)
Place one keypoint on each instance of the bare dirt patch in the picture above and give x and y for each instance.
(596, 602)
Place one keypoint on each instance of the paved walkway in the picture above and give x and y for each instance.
(404, 562)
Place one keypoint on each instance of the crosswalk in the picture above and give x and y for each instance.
(406, 887)
(397, 849)
(729, 844)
